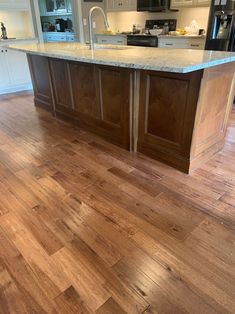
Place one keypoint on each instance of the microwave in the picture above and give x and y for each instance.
(153, 5)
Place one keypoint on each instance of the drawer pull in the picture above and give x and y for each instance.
(194, 45)
(168, 44)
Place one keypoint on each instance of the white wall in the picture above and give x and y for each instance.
(86, 6)
(123, 21)
(18, 23)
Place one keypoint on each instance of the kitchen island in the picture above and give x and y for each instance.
(170, 104)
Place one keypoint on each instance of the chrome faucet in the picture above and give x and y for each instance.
(91, 26)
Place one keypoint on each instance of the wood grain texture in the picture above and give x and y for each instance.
(168, 104)
(214, 107)
(87, 227)
(61, 85)
(40, 73)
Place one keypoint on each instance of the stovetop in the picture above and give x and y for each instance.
(142, 35)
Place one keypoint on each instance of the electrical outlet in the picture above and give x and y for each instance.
(94, 25)
(85, 22)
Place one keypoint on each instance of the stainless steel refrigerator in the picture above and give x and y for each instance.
(221, 26)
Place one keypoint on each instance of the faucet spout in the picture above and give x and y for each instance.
(106, 23)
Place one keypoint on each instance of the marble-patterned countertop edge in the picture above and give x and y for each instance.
(7, 42)
(128, 61)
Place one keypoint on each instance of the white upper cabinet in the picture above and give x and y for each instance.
(202, 3)
(176, 4)
(14, 5)
(181, 3)
(121, 5)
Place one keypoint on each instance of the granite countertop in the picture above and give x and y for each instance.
(157, 59)
(6, 42)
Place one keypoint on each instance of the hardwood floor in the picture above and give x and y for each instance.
(86, 227)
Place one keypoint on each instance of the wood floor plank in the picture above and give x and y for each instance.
(87, 227)
(109, 307)
(69, 302)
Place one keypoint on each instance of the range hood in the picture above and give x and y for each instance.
(154, 6)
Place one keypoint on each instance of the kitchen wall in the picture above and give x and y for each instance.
(98, 19)
(123, 21)
(18, 23)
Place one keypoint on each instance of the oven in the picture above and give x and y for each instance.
(142, 40)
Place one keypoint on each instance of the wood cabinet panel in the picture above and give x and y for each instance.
(101, 98)
(61, 86)
(111, 96)
(39, 69)
(84, 90)
(115, 101)
(168, 105)
(214, 106)
(165, 110)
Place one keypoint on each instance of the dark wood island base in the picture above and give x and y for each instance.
(179, 119)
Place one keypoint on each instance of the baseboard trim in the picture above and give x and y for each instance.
(15, 88)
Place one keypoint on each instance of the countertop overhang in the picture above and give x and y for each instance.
(155, 59)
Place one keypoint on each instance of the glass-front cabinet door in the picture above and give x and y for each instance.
(69, 6)
(61, 5)
(50, 6)
(55, 6)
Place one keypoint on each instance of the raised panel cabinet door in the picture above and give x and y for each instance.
(202, 3)
(110, 5)
(167, 110)
(129, 5)
(182, 3)
(84, 90)
(115, 98)
(39, 68)
(216, 98)
(61, 86)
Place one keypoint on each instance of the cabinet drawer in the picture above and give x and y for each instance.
(197, 44)
(70, 38)
(181, 43)
(52, 38)
(113, 40)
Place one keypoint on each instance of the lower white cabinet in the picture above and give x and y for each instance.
(111, 39)
(181, 43)
(58, 37)
(14, 69)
